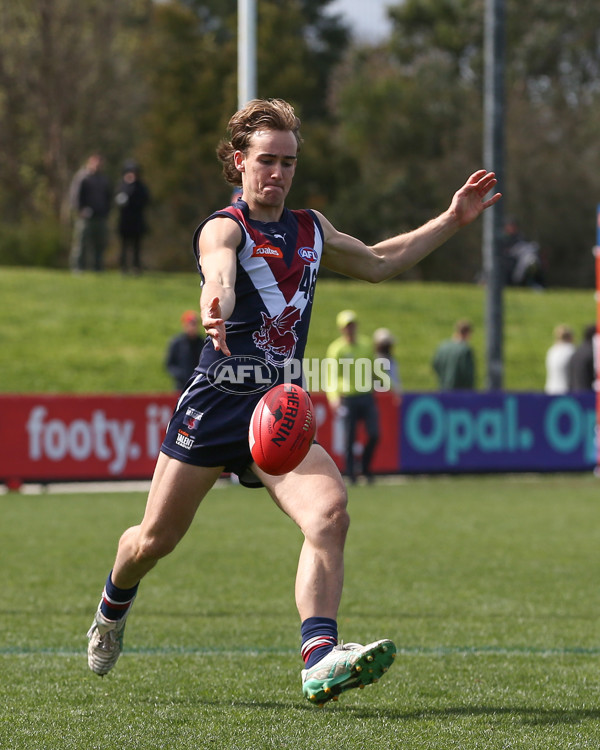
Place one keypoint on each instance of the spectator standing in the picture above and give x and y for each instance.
(91, 198)
(522, 258)
(454, 360)
(581, 365)
(184, 350)
(351, 393)
(557, 361)
(132, 198)
(383, 342)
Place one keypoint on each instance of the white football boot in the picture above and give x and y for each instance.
(106, 642)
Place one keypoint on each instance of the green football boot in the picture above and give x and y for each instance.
(347, 666)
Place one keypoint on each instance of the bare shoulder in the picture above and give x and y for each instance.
(329, 231)
(218, 232)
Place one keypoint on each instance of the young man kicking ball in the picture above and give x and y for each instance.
(259, 262)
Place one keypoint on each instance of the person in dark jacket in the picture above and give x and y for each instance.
(91, 198)
(132, 199)
(581, 372)
(184, 349)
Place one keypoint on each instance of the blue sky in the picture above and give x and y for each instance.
(367, 17)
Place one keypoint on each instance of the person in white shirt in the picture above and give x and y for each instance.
(557, 360)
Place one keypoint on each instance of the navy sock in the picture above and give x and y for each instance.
(115, 601)
(319, 636)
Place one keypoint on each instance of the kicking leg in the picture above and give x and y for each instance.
(314, 496)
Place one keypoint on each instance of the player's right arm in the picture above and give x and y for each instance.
(348, 255)
(217, 245)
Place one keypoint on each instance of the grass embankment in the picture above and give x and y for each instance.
(106, 333)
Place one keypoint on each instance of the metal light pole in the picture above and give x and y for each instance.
(493, 157)
(246, 51)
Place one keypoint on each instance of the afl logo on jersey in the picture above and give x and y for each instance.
(266, 251)
(308, 254)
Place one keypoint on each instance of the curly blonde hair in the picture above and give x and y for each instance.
(258, 114)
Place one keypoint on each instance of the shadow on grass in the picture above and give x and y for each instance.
(528, 715)
(534, 716)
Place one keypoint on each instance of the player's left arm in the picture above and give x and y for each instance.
(350, 256)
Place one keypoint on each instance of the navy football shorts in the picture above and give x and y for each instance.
(209, 427)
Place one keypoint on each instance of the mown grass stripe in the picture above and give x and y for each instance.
(257, 652)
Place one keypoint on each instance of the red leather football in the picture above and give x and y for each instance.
(282, 428)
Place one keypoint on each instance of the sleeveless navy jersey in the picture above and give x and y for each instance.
(276, 275)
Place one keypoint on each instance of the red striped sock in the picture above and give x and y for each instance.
(319, 636)
(115, 601)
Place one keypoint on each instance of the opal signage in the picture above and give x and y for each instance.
(466, 432)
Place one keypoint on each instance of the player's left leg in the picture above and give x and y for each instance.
(314, 496)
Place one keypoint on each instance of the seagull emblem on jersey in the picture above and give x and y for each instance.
(277, 337)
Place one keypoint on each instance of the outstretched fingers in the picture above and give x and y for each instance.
(476, 176)
(484, 181)
(490, 202)
(470, 201)
(214, 325)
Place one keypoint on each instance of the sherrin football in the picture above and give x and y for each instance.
(282, 429)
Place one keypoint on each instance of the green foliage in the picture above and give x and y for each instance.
(391, 130)
(485, 584)
(411, 112)
(32, 244)
(191, 55)
(106, 333)
(187, 63)
(427, 121)
(68, 86)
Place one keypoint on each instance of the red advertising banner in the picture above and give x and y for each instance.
(47, 438)
(330, 433)
(62, 437)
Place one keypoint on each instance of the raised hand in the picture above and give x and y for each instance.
(469, 202)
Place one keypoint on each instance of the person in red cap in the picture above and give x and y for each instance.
(184, 349)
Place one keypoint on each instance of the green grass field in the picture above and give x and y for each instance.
(488, 585)
(98, 334)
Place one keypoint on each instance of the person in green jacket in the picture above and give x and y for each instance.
(454, 360)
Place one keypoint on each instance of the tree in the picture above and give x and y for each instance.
(191, 67)
(553, 165)
(68, 87)
(411, 112)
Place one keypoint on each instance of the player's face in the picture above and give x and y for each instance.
(268, 168)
